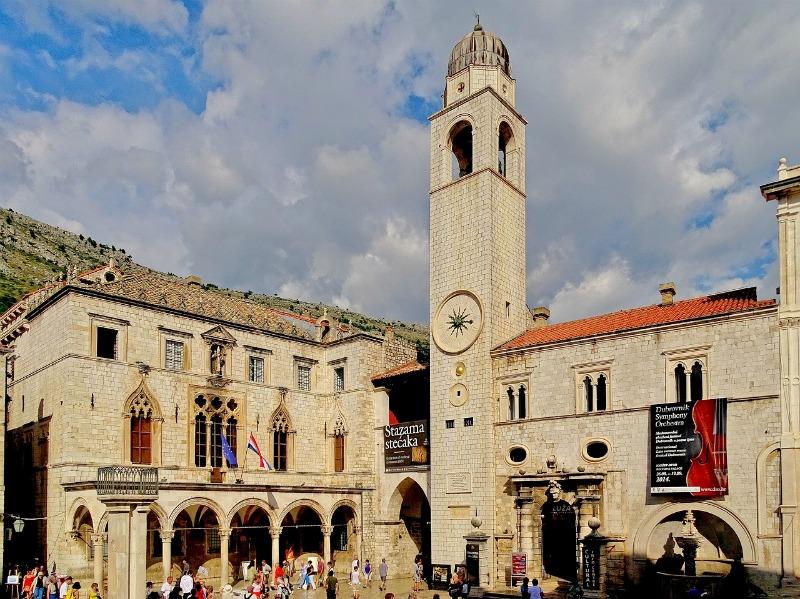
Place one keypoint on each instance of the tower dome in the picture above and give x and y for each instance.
(479, 47)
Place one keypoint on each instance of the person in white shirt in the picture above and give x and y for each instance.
(355, 580)
(187, 585)
(64, 588)
(167, 587)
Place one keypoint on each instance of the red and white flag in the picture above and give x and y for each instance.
(252, 445)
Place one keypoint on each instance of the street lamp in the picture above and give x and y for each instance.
(19, 525)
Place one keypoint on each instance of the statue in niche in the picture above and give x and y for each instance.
(669, 562)
(559, 535)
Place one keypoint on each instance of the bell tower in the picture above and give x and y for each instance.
(477, 285)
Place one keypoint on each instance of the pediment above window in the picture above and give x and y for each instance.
(219, 334)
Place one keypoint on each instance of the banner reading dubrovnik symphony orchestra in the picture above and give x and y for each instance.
(405, 445)
(688, 448)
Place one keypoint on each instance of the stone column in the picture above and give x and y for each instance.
(525, 503)
(786, 190)
(275, 533)
(326, 544)
(166, 551)
(97, 548)
(224, 536)
(138, 573)
(594, 562)
(119, 536)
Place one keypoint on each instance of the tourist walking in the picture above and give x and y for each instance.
(355, 580)
(52, 587)
(94, 591)
(187, 585)
(167, 587)
(367, 573)
(536, 590)
(65, 587)
(383, 572)
(331, 585)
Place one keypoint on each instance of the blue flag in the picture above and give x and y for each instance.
(228, 452)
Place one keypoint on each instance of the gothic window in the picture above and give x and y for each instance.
(338, 378)
(215, 416)
(680, 383)
(338, 453)
(106, 343)
(173, 354)
(521, 399)
(144, 427)
(510, 392)
(256, 369)
(461, 146)
(696, 381)
(280, 440)
(588, 394)
(200, 441)
(141, 442)
(600, 393)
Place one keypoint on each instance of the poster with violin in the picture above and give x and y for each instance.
(689, 448)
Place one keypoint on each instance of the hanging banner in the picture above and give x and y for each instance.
(405, 445)
(688, 448)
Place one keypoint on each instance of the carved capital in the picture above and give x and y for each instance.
(224, 533)
(167, 536)
(275, 531)
(327, 530)
(97, 538)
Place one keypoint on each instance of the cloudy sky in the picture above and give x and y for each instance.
(282, 147)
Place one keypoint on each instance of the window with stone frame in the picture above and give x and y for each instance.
(339, 435)
(141, 439)
(516, 396)
(256, 370)
(338, 378)
(144, 427)
(214, 415)
(281, 429)
(212, 541)
(592, 387)
(174, 351)
(687, 374)
(304, 377)
(107, 343)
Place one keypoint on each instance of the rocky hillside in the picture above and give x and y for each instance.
(33, 252)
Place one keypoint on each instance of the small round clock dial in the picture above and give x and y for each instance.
(457, 322)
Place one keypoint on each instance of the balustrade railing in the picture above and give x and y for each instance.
(127, 480)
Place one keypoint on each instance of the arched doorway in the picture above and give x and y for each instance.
(301, 534)
(344, 546)
(196, 539)
(250, 537)
(409, 504)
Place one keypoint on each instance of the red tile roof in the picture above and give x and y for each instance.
(407, 368)
(718, 304)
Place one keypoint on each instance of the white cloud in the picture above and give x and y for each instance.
(304, 175)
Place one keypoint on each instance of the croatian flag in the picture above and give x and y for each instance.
(228, 452)
(252, 445)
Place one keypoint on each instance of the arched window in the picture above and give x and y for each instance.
(338, 453)
(144, 429)
(214, 416)
(587, 393)
(600, 392)
(200, 441)
(505, 142)
(280, 440)
(510, 392)
(461, 146)
(696, 381)
(141, 439)
(522, 410)
(680, 383)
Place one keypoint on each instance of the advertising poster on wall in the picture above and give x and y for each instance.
(688, 448)
(405, 446)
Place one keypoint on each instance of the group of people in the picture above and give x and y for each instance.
(38, 584)
(188, 586)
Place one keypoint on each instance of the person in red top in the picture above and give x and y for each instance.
(27, 584)
(277, 574)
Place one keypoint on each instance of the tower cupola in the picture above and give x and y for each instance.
(479, 47)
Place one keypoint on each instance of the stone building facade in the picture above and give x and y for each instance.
(142, 370)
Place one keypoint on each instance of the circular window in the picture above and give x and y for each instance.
(596, 450)
(517, 455)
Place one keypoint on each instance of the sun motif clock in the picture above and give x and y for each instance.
(457, 322)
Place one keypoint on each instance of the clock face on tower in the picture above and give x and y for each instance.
(457, 322)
